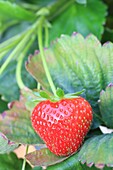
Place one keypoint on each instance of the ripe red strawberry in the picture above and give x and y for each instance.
(62, 124)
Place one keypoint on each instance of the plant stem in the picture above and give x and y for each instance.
(24, 162)
(40, 29)
(3, 54)
(46, 36)
(17, 49)
(18, 72)
(10, 43)
(19, 64)
(30, 6)
(46, 45)
(38, 87)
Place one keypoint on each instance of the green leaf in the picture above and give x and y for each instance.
(37, 168)
(43, 157)
(28, 80)
(106, 62)
(43, 80)
(14, 34)
(85, 167)
(81, 1)
(16, 124)
(6, 145)
(8, 85)
(106, 105)
(71, 163)
(11, 162)
(3, 105)
(78, 18)
(73, 64)
(41, 3)
(13, 11)
(99, 151)
(30, 99)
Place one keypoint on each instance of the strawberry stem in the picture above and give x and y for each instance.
(46, 45)
(40, 29)
(24, 162)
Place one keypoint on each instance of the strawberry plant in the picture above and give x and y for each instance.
(56, 85)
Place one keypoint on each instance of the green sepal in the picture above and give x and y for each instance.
(38, 100)
(73, 95)
(36, 93)
(60, 92)
(43, 94)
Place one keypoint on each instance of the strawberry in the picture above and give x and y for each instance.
(62, 124)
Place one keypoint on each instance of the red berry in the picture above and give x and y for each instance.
(62, 124)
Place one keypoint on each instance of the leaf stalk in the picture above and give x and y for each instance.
(40, 29)
(24, 162)
(20, 62)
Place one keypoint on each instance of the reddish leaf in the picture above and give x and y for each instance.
(43, 157)
(16, 124)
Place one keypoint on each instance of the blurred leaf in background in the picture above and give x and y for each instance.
(108, 29)
(85, 19)
(3, 105)
(10, 161)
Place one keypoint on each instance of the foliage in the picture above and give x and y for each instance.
(105, 104)
(72, 62)
(6, 145)
(95, 147)
(10, 161)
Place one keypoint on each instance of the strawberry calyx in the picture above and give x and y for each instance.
(42, 95)
(73, 95)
